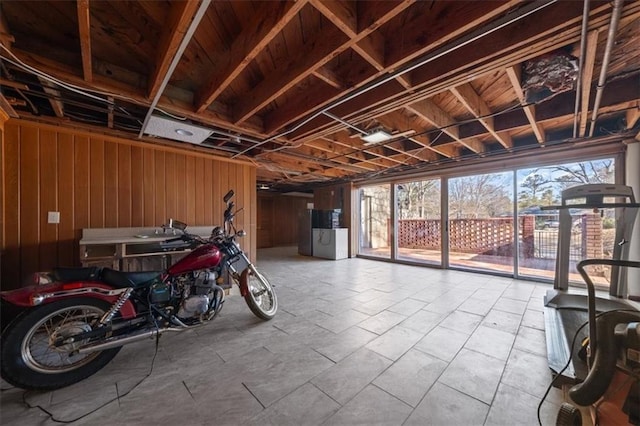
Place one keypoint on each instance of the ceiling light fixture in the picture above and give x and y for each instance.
(177, 130)
(263, 186)
(376, 136)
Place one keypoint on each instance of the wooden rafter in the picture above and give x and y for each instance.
(54, 97)
(328, 77)
(431, 112)
(371, 48)
(255, 37)
(399, 121)
(467, 95)
(84, 31)
(587, 76)
(514, 74)
(326, 46)
(6, 107)
(180, 17)
(5, 35)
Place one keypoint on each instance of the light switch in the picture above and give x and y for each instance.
(54, 217)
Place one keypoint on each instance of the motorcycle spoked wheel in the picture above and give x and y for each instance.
(30, 361)
(261, 297)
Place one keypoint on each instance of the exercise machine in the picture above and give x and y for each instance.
(610, 318)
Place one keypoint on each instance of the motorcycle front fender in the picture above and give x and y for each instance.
(244, 282)
(37, 295)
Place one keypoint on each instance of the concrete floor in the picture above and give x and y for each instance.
(355, 341)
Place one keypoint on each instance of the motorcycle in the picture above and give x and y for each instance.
(78, 319)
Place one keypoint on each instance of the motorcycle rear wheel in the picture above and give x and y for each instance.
(29, 359)
(261, 297)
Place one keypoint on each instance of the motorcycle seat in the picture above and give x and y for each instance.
(121, 279)
(66, 275)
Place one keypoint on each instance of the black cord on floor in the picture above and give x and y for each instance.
(52, 416)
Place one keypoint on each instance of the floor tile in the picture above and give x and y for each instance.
(395, 342)
(514, 407)
(463, 322)
(501, 320)
(382, 322)
(476, 306)
(474, 374)
(423, 321)
(533, 319)
(348, 377)
(411, 376)
(344, 344)
(444, 406)
(306, 405)
(442, 343)
(510, 305)
(407, 306)
(372, 406)
(531, 340)
(530, 373)
(491, 341)
(343, 321)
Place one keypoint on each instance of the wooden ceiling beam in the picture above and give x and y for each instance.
(336, 149)
(514, 74)
(431, 112)
(468, 97)
(344, 161)
(401, 122)
(254, 38)
(180, 17)
(135, 94)
(5, 106)
(5, 34)
(327, 45)
(55, 99)
(587, 77)
(290, 73)
(84, 32)
(329, 77)
(371, 48)
(632, 115)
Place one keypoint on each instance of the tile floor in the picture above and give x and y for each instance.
(355, 342)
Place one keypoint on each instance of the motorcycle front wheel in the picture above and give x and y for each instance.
(261, 297)
(30, 360)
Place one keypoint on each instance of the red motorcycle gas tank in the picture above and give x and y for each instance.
(204, 257)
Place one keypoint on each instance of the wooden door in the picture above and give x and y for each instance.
(265, 222)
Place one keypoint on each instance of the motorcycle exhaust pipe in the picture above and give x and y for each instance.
(121, 341)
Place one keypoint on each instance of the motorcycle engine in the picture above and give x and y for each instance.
(197, 297)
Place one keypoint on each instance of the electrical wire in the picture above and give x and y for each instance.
(54, 419)
(75, 88)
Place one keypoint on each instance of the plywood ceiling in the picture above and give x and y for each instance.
(291, 86)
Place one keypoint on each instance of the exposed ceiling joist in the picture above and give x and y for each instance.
(54, 97)
(84, 31)
(515, 76)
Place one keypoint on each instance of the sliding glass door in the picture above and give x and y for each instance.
(482, 226)
(592, 232)
(418, 218)
(375, 221)
(481, 222)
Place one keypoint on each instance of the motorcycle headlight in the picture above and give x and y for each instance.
(217, 232)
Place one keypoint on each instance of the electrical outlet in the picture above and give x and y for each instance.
(54, 217)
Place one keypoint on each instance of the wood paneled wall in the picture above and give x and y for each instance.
(98, 181)
(278, 219)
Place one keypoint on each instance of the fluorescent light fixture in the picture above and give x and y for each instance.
(176, 130)
(263, 186)
(376, 136)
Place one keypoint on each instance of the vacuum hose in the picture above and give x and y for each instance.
(604, 364)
